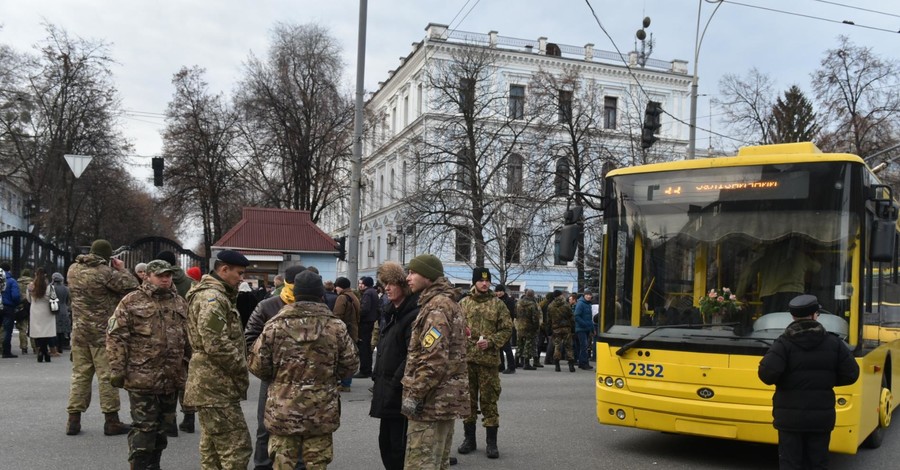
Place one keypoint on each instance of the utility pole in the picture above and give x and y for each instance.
(698, 41)
(356, 159)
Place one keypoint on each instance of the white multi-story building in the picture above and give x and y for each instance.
(408, 113)
(12, 207)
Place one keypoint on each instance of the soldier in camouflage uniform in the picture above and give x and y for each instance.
(562, 321)
(96, 284)
(435, 380)
(148, 351)
(490, 327)
(217, 374)
(528, 321)
(304, 352)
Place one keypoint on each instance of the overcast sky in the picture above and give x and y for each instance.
(151, 40)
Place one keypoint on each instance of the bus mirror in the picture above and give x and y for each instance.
(881, 248)
(568, 241)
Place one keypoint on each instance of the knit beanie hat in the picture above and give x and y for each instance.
(102, 248)
(480, 274)
(308, 285)
(168, 257)
(292, 272)
(194, 273)
(342, 282)
(428, 266)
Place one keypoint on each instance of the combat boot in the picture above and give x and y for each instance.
(73, 426)
(557, 366)
(171, 429)
(155, 460)
(468, 444)
(491, 446)
(187, 424)
(537, 362)
(571, 366)
(528, 365)
(141, 461)
(114, 427)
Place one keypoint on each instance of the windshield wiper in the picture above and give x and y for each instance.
(625, 347)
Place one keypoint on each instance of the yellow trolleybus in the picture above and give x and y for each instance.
(772, 221)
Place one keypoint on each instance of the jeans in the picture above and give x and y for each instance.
(8, 324)
(583, 347)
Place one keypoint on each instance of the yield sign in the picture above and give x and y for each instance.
(77, 163)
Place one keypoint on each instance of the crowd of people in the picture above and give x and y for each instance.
(433, 353)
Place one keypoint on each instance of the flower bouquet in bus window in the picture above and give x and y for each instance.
(719, 305)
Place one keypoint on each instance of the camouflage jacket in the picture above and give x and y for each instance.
(487, 316)
(561, 316)
(304, 352)
(146, 341)
(95, 289)
(528, 316)
(436, 372)
(217, 374)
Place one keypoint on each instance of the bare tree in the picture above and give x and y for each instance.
(472, 190)
(61, 101)
(860, 94)
(202, 170)
(747, 104)
(297, 122)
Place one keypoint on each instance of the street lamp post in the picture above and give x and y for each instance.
(698, 41)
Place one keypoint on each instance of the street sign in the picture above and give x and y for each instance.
(78, 163)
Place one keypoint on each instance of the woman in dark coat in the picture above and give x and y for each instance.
(63, 319)
(390, 363)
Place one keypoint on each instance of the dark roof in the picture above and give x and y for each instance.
(283, 230)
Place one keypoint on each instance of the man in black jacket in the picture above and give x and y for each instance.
(368, 314)
(805, 364)
(264, 312)
(390, 364)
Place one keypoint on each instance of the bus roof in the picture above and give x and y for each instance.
(801, 152)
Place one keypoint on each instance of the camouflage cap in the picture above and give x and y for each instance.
(159, 266)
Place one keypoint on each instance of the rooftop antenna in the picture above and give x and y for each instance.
(646, 44)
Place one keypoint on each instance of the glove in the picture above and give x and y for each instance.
(117, 381)
(411, 407)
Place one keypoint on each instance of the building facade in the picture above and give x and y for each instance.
(476, 142)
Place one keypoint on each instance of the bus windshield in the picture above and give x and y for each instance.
(762, 233)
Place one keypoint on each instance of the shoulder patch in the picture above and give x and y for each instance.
(431, 338)
(215, 323)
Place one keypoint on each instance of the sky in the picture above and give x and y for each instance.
(151, 40)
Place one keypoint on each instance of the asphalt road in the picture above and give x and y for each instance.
(547, 422)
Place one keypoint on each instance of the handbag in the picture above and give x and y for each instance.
(54, 300)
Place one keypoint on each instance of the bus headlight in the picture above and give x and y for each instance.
(841, 401)
(620, 413)
(608, 381)
(620, 383)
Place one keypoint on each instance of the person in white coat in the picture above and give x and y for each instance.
(42, 327)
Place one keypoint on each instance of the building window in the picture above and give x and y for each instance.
(403, 178)
(394, 121)
(463, 251)
(513, 245)
(561, 177)
(380, 191)
(393, 187)
(516, 102)
(609, 112)
(420, 97)
(565, 106)
(462, 170)
(514, 174)
(405, 111)
(466, 95)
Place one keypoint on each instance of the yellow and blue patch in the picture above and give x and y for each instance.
(432, 337)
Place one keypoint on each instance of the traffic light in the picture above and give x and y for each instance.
(157, 171)
(651, 124)
(341, 247)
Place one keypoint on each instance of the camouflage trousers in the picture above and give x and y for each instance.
(484, 392)
(525, 346)
(428, 444)
(562, 340)
(285, 451)
(86, 361)
(150, 414)
(224, 438)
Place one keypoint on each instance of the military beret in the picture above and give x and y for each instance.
(159, 266)
(233, 258)
(804, 306)
(481, 274)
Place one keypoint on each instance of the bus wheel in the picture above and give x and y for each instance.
(884, 417)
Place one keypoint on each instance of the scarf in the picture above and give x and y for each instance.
(287, 293)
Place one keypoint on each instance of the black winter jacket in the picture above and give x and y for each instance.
(391, 359)
(263, 312)
(805, 364)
